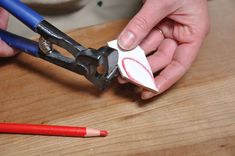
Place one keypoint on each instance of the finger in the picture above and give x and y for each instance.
(182, 60)
(4, 16)
(167, 28)
(152, 41)
(121, 80)
(5, 50)
(163, 56)
(139, 27)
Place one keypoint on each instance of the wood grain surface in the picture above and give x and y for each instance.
(196, 117)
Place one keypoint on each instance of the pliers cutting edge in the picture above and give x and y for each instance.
(98, 66)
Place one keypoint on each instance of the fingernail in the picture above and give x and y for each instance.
(147, 95)
(126, 40)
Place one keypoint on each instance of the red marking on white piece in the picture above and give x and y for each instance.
(128, 73)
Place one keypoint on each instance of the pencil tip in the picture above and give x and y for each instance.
(103, 133)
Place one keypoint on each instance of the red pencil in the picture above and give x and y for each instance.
(50, 130)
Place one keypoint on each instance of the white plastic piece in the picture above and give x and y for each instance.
(134, 67)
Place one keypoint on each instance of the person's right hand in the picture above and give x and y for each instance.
(171, 33)
(5, 50)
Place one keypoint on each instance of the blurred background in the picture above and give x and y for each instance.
(71, 14)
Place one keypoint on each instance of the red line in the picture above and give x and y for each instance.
(128, 73)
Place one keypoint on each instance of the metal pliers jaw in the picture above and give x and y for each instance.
(98, 66)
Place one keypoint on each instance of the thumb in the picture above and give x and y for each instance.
(152, 12)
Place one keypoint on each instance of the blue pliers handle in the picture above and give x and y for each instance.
(86, 61)
(29, 17)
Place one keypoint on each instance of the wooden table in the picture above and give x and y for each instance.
(195, 117)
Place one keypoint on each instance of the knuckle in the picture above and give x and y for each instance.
(167, 57)
(207, 28)
(180, 65)
(164, 77)
(163, 55)
(204, 29)
(141, 23)
(169, 5)
(201, 32)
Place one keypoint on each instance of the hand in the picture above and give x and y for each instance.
(171, 33)
(5, 50)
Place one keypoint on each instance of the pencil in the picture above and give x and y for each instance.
(50, 130)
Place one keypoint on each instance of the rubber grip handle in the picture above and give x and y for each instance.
(22, 12)
(20, 43)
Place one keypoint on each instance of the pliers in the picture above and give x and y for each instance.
(98, 66)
